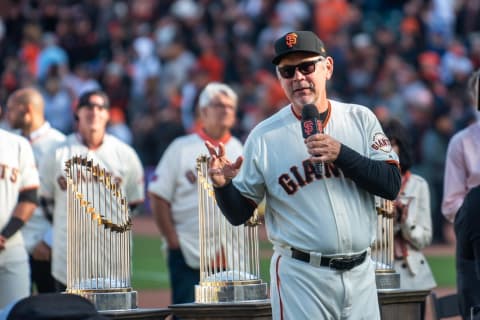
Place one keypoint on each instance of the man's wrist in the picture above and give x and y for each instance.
(13, 225)
(222, 186)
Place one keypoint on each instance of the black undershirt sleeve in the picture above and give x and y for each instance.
(377, 177)
(28, 196)
(13, 225)
(235, 207)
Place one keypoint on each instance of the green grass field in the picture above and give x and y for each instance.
(150, 271)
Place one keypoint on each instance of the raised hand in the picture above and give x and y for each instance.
(220, 169)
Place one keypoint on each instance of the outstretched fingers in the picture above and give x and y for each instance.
(211, 149)
(238, 163)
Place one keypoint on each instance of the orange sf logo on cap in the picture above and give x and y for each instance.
(291, 39)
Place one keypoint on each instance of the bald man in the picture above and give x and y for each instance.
(25, 111)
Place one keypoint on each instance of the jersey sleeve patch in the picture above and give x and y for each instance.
(380, 142)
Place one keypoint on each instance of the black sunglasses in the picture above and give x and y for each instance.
(307, 67)
(92, 105)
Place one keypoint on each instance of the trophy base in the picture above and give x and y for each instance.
(387, 279)
(109, 301)
(218, 292)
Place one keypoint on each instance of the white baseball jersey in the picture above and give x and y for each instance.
(329, 214)
(175, 181)
(42, 141)
(116, 157)
(18, 172)
(326, 215)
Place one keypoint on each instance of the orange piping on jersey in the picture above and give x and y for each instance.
(299, 117)
(324, 124)
(278, 287)
(393, 162)
(226, 137)
(329, 113)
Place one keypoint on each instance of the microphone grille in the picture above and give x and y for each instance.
(310, 111)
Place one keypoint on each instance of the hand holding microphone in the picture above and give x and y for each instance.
(311, 124)
(319, 145)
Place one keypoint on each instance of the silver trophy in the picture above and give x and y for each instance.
(229, 256)
(383, 247)
(99, 237)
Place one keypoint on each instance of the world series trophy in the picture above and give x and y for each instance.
(229, 255)
(99, 237)
(383, 247)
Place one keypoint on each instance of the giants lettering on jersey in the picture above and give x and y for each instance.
(300, 177)
(381, 142)
(6, 172)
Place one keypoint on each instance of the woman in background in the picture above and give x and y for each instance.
(413, 222)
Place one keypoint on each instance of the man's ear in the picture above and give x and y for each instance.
(329, 66)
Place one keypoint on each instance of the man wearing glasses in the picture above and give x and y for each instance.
(173, 189)
(321, 223)
(90, 141)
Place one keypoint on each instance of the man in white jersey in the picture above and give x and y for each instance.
(26, 112)
(321, 224)
(18, 200)
(173, 189)
(90, 141)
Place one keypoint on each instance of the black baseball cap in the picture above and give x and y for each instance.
(298, 41)
(54, 306)
(84, 99)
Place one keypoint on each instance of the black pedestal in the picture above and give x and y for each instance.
(139, 314)
(259, 310)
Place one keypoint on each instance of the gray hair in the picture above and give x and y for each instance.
(473, 86)
(212, 90)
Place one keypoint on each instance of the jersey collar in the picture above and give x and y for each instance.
(327, 114)
(39, 132)
(82, 141)
(205, 137)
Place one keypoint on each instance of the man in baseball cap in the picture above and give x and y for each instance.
(319, 187)
(90, 140)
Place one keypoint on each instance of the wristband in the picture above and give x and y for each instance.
(13, 225)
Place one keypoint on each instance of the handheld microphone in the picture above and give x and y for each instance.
(311, 124)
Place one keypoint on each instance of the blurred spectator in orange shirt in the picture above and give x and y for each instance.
(329, 17)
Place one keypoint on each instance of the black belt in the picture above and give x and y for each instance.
(338, 262)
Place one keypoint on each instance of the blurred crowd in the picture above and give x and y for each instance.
(406, 59)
